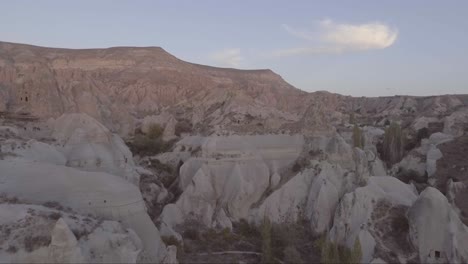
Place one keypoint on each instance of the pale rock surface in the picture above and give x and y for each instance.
(340, 152)
(325, 192)
(275, 179)
(377, 168)
(171, 257)
(368, 244)
(88, 145)
(439, 138)
(423, 122)
(111, 243)
(371, 136)
(287, 202)
(224, 185)
(355, 210)
(453, 188)
(412, 163)
(33, 150)
(435, 226)
(53, 241)
(231, 174)
(98, 193)
(172, 215)
(453, 124)
(433, 155)
(8, 131)
(167, 231)
(63, 247)
(315, 193)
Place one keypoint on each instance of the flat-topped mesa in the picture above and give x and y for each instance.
(118, 86)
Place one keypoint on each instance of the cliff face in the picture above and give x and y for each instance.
(120, 86)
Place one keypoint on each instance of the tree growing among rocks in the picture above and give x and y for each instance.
(393, 144)
(267, 254)
(333, 253)
(358, 137)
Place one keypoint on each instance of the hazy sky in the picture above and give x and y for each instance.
(361, 48)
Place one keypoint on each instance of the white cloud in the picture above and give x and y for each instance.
(330, 37)
(227, 58)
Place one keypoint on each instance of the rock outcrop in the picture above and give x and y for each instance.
(98, 193)
(372, 214)
(436, 230)
(39, 234)
(88, 145)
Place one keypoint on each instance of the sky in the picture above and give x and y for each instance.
(359, 48)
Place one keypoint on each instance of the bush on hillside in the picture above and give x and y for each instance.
(155, 131)
(144, 145)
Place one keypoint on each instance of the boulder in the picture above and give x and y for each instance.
(88, 145)
(97, 193)
(436, 230)
(112, 243)
(36, 236)
(454, 124)
(433, 155)
(439, 138)
(287, 202)
(171, 256)
(63, 247)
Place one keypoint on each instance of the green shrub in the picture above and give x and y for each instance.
(296, 167)
(155, 131)
(291, 255)
(393, 144)
(267, 254)
(191, 233)
(332, 253)
(170, 240)
(356, 254)
(144, 145)
(247, 230)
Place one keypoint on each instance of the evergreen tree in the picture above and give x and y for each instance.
(267, 256)
(393, 144)
(358, 137)
(356, 254)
